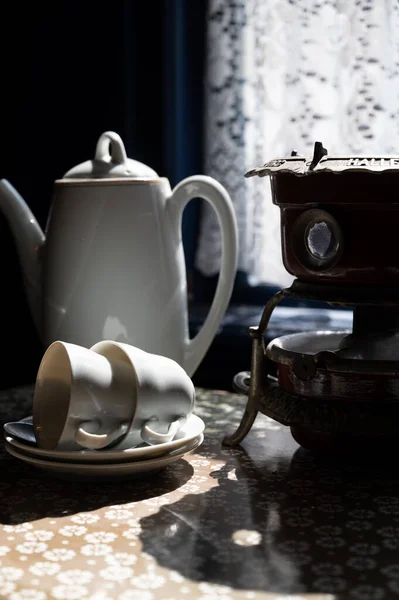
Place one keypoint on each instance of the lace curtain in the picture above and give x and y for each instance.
(282, 74)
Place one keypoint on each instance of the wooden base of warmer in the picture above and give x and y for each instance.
(317, 423)
(345, 445)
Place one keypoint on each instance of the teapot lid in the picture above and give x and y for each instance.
(322, 162)
(110, 161)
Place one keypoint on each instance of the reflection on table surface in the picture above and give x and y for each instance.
(266, 520)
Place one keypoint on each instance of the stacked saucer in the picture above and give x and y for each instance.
(100, 465)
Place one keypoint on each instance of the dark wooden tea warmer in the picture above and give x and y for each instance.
(340, 239)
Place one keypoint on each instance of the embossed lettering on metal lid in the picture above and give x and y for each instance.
(321, 162)
(375, 164)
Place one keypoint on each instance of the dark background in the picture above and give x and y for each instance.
(69, 71)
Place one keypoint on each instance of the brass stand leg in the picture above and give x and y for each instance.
(251, 410)
(258, 375)
(247, 421)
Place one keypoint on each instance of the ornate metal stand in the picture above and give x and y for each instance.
(375, 418)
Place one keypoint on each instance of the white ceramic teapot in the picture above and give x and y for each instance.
(111, 265)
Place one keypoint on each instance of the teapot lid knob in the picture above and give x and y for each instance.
(111, 161)
(110, 148)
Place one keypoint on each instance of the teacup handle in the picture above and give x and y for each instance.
(152, 437)
(96, 441)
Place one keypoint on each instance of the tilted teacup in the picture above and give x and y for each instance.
(164, 396)
(79, 392)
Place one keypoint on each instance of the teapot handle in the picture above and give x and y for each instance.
(202, 186)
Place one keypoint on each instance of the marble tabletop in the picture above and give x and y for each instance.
(263, 521)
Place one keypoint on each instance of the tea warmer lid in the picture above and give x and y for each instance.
(110, 161)
(322, 162)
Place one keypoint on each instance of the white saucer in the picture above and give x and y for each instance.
(108, 470)
(193, 427)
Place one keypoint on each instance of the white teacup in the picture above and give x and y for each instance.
(78, 393)
(164, 396)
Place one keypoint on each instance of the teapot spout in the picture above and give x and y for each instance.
(29, 239)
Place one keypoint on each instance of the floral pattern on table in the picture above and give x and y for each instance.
(267, 520)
